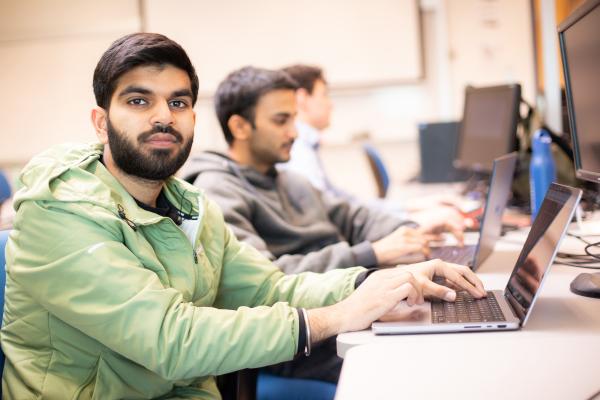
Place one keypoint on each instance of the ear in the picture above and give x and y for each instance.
(240, 127)
(302, 96)
(100, 122)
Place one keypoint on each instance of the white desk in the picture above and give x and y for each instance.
(556, 355)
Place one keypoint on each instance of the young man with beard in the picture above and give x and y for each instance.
(124, 282)
(281, 214)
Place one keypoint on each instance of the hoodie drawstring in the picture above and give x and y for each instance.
(122, 215)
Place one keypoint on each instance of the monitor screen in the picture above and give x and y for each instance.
(489, 125)
(579, 38)
(540, 247)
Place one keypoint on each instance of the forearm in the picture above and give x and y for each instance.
(358, 223)
(310, 290)
(339, 255)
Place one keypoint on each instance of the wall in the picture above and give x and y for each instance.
(52, 47)
(359, 43)
(490, 42)
(48, 52)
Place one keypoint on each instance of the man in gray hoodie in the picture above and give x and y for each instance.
(280, 213)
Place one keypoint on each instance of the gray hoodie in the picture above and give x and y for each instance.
(295, 225)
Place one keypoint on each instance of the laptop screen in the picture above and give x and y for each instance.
(489, 125)
(540, 248)
(498, 193)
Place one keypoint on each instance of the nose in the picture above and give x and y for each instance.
(162, 114)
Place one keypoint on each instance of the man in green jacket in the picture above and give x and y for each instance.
(124, 282)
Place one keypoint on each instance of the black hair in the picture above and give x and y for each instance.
(241, 90)
(305, 75)
(135, 50)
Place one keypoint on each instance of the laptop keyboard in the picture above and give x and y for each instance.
(467, 309)
(454, 254)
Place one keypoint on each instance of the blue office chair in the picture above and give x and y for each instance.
(3, 240)
(5, 191)
(378, 168)
(272, 387)
(252, 384)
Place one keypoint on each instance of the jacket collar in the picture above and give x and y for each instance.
(73, 173)
(183, 196)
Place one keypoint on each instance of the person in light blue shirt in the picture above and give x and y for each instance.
(314, 112)
(305, 159)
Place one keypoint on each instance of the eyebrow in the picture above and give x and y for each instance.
(182, 93)
(284, 114)
(143, 90)
(134, 89)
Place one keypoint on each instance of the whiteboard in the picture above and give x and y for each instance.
(359, 43)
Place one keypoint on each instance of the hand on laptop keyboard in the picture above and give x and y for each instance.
(442, 219)
(459, 276)
(400, 246)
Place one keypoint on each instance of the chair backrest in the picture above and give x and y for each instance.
(3, 240)
(5, 191)
(378, 168)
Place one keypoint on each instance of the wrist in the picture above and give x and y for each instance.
(324, 322)
(380, 251)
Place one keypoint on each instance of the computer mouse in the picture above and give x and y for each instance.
(586, 285)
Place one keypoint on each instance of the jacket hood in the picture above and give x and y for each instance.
(74, 173)
(216, 162)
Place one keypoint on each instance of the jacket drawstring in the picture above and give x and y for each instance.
(122, 215)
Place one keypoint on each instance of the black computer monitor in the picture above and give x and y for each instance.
(489, 125)
(579, 38)
(437, 145)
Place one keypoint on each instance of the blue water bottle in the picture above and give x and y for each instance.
(542, 171)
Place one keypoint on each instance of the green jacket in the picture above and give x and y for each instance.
(105, 300)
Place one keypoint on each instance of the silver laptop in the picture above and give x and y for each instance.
(510, 309)
(491, 223)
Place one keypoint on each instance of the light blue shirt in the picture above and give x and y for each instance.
(305, 159)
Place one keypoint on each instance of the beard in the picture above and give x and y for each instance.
(155, 165)
(267, 153)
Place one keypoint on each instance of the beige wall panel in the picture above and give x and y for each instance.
(491, 43)
(49, 49)
(44, 19)
(47, 94)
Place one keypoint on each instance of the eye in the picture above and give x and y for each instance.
(281, 120)
(178, 104)
(137, 102)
